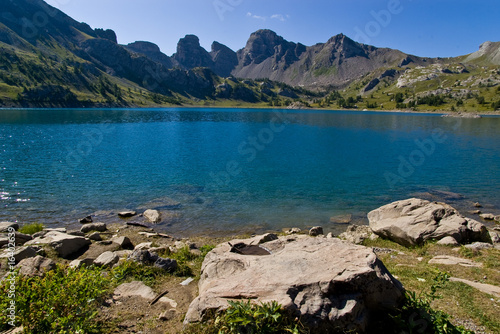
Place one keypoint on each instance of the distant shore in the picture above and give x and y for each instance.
(245, 106)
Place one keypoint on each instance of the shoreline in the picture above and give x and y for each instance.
(399, 111)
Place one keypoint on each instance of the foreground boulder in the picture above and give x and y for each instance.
(328, 282)
(64, 244)
(414, 221)
(35, 266)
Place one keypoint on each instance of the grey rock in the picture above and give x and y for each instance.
(477, 205)
(479, 246)
(22, 238)
(166, 264)
(25, 252)
(39, 234)
(123, 254)
(414, 221)
(35, 266)
(448, 241)
(487, 216)
(134, 289)
(144, 245)
(153, 216)
(486, 288)
(265, 238)
(494, 236)
(80, 263)
(98, 227)
(324, 281)
(454, 261)
(95, 236)
(19, 238)
(21, 253)
(139, 289)
(5, 226)
(86, 220)
(77, 233)
(168, 315)
(56, 229)
(127, 214)
(294, 230)
(124, 242)
(315, 231)
(357, 234)
(476, 231)
(497, 218)
(106, 259)
(64, 244)
(143, 256)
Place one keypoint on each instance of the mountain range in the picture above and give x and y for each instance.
(49, 59)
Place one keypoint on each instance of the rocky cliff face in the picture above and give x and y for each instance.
(336, 62)
(190, 54)
(224, 59)
(489, 53)
(152, 51)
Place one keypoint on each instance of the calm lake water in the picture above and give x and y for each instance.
(232, 170)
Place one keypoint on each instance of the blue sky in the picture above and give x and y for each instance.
(434, 28)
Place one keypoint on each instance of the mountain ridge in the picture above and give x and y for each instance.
(49, 59)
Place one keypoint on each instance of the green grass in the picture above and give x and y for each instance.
(322, 71)
(457, 299)
(31, 228)
(63, 301)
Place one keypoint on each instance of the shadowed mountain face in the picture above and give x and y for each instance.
(40, 44)
(152, 51)
(337, 62)
(34, 26)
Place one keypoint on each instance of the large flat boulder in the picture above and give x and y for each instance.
(328, 282)
(64, 244)
(413, 221)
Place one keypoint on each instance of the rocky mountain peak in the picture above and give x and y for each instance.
(225, 59)
(264, 44)
(190, 54)
(346, 47)
(151, 51)
(143, 47)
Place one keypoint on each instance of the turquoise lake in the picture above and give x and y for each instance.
(214, 171)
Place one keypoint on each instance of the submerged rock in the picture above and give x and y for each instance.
(86, 220)
(327, 282)
(127, 214)
(487, 216)
(153, 216)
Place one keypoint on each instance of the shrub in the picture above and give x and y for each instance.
(417, 316)
(31, 228)
(245, 317)
(65, 300)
